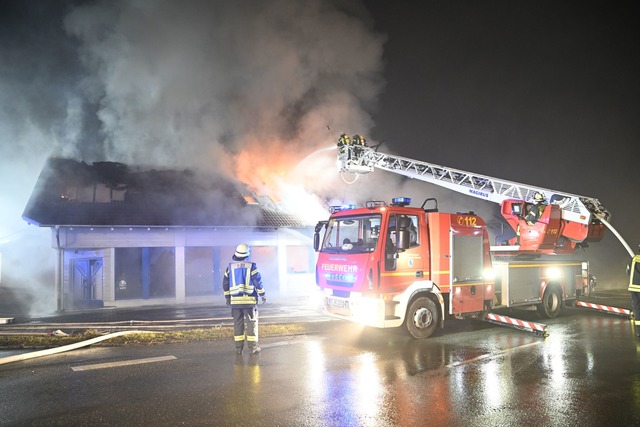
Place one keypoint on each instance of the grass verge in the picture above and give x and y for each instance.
(147, 338)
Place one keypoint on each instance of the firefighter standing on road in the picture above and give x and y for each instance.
(633, 270)
(242, 286)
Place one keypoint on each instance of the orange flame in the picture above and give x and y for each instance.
(269, 168)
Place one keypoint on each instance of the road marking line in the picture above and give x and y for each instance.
(122, 363)
(490, 355)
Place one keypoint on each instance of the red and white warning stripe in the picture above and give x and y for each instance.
(517, 323)
(606, 308)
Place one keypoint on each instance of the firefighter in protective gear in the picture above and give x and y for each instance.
(359, 141)
(633, 270)
(343, 142)
(242, 285)
(535, 211)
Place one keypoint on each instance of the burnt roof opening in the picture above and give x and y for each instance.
(73, 193)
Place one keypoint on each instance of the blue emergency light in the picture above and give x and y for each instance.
(401, 201)
(334, 209)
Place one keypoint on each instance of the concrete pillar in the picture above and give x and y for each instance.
(109, 292)
(59, 280)
(181, 288)
(281, 250)
(218, 271)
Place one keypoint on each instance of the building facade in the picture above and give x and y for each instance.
(134, 266)
(118, 251)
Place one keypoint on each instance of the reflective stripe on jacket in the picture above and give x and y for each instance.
(634, 274)
(242, 283)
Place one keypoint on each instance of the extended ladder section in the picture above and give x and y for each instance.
(361, 160)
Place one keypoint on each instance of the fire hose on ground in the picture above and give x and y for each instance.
(69, 347)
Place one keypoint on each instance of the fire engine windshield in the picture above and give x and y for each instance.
(354, 234)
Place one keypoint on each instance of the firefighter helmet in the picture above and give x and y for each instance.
(242, 251)
(344, 139)
(538, 197)
(358, 140)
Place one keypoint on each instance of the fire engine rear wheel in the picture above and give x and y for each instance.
(422, 318)
(551, 303)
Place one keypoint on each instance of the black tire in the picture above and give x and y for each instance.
(551, 303)
(422, 318)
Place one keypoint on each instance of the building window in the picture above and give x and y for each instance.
(144, 273)
(128, 266)
(298, 259)
(199, 271)
(266, 258)
(162, 269)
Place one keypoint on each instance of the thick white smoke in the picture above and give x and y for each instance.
(228, 86)
(191, 83)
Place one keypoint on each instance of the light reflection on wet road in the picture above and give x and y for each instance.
(586, 372)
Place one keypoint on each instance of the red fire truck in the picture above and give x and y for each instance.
(392, 265)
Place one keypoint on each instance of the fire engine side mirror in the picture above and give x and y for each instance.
(433, 205)
(403, 232)
(403, 240)
(316, 235)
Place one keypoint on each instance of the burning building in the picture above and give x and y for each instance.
(129, 237)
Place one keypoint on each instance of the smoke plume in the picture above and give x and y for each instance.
(248, 89)
(198, 83)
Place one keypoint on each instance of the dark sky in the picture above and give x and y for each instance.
(541, 92)
(544, 93)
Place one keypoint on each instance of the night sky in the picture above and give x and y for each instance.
(541, 92)
(544, 93)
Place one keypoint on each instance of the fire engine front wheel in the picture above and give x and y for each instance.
(551, 303)
(422, 318)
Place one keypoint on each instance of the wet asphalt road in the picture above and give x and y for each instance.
(586, 372)
(156, 318)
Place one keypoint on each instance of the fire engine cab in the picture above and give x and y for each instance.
(393, 265)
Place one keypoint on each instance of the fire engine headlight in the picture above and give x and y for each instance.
(554, 273)
(366, 310)
(489, 274)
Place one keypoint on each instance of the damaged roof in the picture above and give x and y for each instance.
(73, 193)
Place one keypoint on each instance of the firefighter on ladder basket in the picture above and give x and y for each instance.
(242, 285)
(534, 212)
(359, 141)
(633, 270)
(343, 143)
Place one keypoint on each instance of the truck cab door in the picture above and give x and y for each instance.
(467, 281)
(403, 252)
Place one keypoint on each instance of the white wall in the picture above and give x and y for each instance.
(83, 242)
